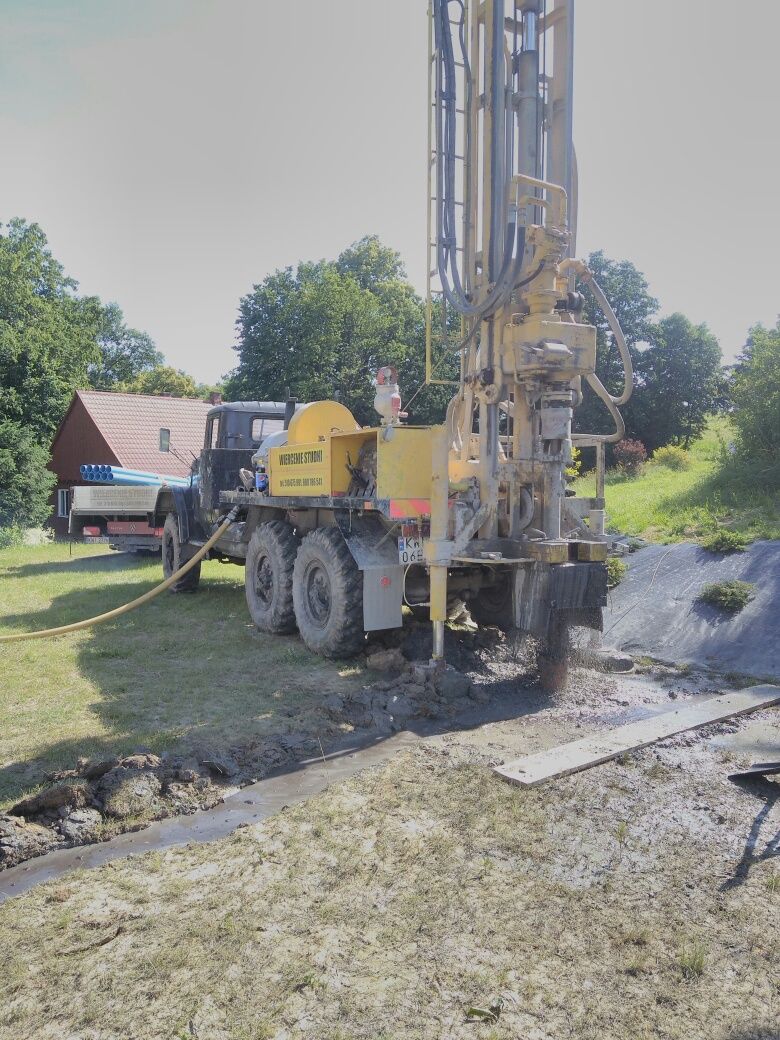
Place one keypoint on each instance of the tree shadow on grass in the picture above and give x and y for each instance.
(80, 564)
(190, 672)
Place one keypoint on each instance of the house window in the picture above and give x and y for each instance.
(165, 440)
(257, 430)
(63, 502)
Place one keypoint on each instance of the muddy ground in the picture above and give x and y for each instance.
(100, 797)
(428, 898)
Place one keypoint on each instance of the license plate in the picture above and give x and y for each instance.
(410, 550)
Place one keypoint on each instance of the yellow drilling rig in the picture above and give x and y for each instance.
(344, 525)
(339, 526)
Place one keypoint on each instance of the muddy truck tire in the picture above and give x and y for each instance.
(175, 555)
(492, 605)
(268, 577)
(328, 595)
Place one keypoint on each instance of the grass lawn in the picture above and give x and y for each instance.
(665, 505)
(189, 668)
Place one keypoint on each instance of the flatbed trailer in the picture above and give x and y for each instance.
(115, 516)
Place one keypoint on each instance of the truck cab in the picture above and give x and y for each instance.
(234, 431)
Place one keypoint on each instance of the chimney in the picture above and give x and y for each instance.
(215, 397)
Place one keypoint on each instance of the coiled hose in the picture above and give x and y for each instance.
(45, 633)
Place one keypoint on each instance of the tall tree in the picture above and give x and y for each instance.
(163, 379)
(326, 327)
(25, 482)
(124, 352)
(627, 290)
(48, 335)
(679, 383)
(755, 394)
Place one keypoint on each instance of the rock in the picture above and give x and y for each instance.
(415, 689)
(80, 825)
(221, 765)
(128, 792)
(400, 706)
(141, 760)
(94, 768)
(20, 840)
(383, 685)
(609, 660)
(72, 793)
(387, 661)
(452, 684)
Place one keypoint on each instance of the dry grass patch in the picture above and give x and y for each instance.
(392, 904)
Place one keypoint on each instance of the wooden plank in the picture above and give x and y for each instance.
(591, 751)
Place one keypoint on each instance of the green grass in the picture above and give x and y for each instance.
(668, 505)
(184, 669)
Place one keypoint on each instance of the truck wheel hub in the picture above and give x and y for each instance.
(317, 586)
(264, 580)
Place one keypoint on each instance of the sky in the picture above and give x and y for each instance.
(176, 152)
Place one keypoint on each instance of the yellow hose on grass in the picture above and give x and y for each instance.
(45, 633)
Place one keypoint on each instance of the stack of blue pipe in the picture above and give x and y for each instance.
(102, 474)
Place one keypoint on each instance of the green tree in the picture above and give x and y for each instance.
(125, 353)
(678, 383)
(163, 379)
(627, 290)
(755, 394)
(48, 335)
(25, 482)
(325, 327)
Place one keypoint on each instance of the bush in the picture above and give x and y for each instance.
(616, 571)
(10, 537)
(725, 541)
(575, 466)
(672, 456)
(755, 393)
(731, 596)
(25, 482)
(630, 456)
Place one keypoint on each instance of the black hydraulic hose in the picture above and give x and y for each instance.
(446, 143)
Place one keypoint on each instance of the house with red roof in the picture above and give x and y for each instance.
(136, 431)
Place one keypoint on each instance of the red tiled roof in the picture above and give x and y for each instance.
(131, 424)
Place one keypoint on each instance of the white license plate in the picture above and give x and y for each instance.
(410, 550)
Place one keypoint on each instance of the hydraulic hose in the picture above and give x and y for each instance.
(45, 633)
(584, 273)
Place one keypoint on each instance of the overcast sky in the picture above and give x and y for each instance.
(177, 151)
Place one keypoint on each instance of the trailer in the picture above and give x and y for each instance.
(115, 516)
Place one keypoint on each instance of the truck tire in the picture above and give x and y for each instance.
(268, 577)
(493, 604)
(174, 555)
(328, 595)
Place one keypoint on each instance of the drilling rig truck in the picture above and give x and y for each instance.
(340, 526)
